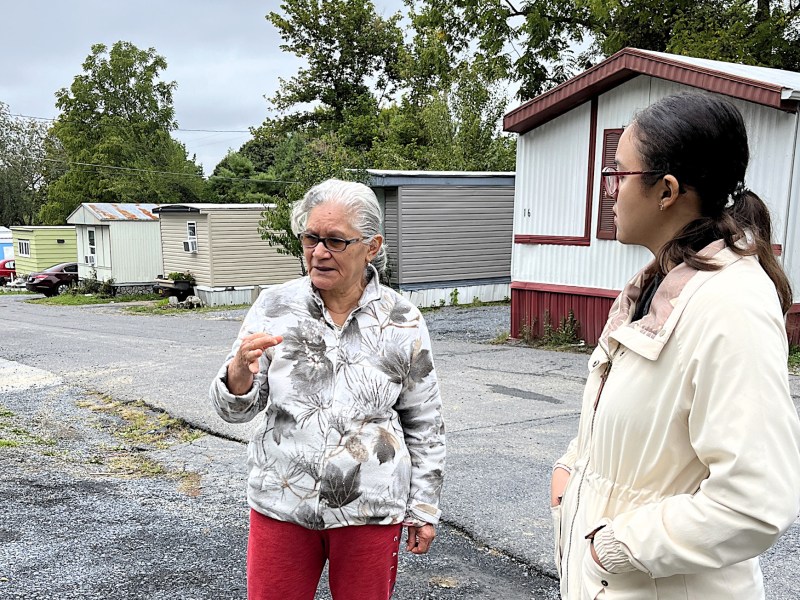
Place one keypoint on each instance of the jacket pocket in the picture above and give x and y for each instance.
(555, 513)
(597, 583)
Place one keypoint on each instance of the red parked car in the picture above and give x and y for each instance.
(53, 281)
(7, 272)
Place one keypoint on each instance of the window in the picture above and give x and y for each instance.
(190, 244)
(24, 247)
(90, 258)
(605, 214)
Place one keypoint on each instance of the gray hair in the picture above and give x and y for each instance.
(358, 200)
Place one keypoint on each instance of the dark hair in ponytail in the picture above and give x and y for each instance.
(701, 140)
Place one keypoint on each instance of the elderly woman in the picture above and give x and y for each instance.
(351, 445)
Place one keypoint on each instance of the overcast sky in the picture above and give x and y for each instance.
(224, 57)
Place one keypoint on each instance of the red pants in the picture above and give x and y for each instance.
(285, 561)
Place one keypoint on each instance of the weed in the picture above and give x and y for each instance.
(501, 338)
(565, 334)
(8, 443)
(454, 297)
(794, 360)
(476, 302)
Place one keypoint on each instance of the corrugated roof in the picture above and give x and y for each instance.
(107, 211)
(203, 208)
(770, 87)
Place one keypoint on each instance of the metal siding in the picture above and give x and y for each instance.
(603, 264)
(102, 267)
(45, 250)
(391, 229)
(791, 238)
(550, 190)
(529, 308)
(459, 216)
(135, 251)
(241, 257)
(173, 234)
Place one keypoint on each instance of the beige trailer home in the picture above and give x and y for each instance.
(220, 245)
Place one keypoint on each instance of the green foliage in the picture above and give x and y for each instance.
(184, 276)
(544, 35)
(24, 172)
(349, 50)
(454, 297)
(794, 360)
(118, 113)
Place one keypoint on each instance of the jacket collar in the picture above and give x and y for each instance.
(649, 335)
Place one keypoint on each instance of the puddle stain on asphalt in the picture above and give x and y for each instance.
(524, 394)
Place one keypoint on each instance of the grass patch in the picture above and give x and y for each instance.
(14, 435)
(501, 338)
(82, 300)
(162, 307)
(141, 425)
(794, 360)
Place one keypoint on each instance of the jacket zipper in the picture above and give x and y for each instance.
(603, 379)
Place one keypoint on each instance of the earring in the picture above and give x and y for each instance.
(661, 205)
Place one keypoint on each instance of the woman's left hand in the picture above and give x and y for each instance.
(420, 538)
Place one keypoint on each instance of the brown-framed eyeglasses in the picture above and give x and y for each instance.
(611, 179)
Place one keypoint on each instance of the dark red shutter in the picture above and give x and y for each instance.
(605, 214)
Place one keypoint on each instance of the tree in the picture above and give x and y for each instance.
(115, 131)
(24, 167)
(350, 50)
(554, 39)
(302, 161)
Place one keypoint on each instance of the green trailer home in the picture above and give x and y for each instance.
(40, 247)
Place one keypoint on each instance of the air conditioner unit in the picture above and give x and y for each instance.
(89, 259)
(190, 246)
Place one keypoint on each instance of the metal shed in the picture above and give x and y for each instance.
(565, 256)
(446, 231)
(119, 242)
(220, 245)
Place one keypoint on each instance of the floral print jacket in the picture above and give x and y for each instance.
(352, 432)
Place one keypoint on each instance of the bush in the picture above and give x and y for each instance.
(187, 276)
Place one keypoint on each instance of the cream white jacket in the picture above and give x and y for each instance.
(688, 450)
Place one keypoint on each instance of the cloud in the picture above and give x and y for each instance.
(225, 58)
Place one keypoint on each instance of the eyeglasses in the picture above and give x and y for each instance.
(611, 178)
(309, 240)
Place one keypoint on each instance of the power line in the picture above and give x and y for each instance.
(176, 129)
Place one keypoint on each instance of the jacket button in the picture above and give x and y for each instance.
(604, 582)
(595, 363)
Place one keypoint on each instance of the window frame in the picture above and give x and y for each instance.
(23, 253)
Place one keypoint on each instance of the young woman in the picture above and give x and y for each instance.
(686, 465)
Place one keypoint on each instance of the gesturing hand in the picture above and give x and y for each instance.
(420, 538)
(253, 347)
(245, 364)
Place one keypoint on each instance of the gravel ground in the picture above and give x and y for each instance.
(102, 504)
(468, 324)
